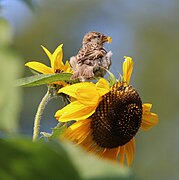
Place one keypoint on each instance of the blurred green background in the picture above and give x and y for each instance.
(148, 31)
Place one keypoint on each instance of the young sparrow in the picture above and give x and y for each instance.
(92, 59)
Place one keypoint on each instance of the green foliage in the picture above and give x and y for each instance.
(56, 132)
(43, 79)
(10, 70)
(111, 79)
(89, 165)
(5, 34)
(92, 167)
(22, 159)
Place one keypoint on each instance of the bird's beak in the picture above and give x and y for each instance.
(107, 39)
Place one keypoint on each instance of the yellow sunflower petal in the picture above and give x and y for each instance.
(122, 152)
(110, 154)
(146, 107)
(57, 57)
(149, 119)
(129, 149)
(37, 66)
(78, 131)
(74, 111)
(67, 68)
(127, 69)
(88, 96)
(48, 53)
(102, 87)
(87, 143)
(80, 124)
(71, 90)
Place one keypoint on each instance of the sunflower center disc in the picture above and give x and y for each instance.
(117, 117)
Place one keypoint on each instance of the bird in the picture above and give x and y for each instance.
(92, 60)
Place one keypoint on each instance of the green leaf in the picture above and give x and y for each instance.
(23, 159)
(43, 79)
(112, 79)
(56, 132)
(92, 167)
(5, 33)
(10, 70)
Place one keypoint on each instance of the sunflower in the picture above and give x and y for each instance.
(107, 119)
(56, 61)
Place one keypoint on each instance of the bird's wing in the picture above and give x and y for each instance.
(90, 54)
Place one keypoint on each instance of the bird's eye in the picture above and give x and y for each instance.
(97, 36)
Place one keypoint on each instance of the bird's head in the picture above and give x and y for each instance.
(96, 37)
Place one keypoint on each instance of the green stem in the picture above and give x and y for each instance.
(39, 113)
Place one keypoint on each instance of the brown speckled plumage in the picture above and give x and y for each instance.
(92, 59)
